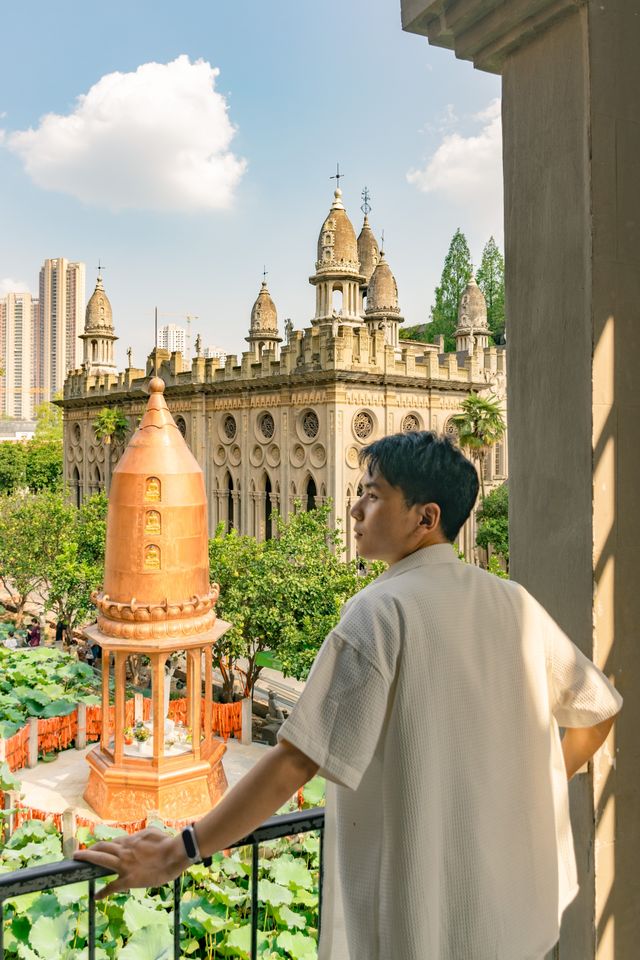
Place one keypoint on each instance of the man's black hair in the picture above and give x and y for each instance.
(428, 469)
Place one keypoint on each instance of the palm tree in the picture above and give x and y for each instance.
(479, 426)
(109, 426)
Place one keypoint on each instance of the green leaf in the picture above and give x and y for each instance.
(291, 872)
(238, 942)
(103, 832)
(273, 894)
(299, 946)
(289, 918)
(59, 708)
(209, 921)
(49, 935)
(148, 943)
(139, 914)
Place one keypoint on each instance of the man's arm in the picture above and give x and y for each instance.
(151, 857)
(580, 743)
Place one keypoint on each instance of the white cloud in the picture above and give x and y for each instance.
(7, 285)
(467, 170)
(155, 139)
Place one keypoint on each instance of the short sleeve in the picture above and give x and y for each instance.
(581, 695)
(341, 712)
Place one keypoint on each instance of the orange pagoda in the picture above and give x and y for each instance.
(157, 602)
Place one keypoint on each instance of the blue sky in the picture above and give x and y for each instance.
(184, 182)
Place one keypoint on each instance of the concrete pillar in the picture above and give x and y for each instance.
(571, 134)
(81, 735)
(33, 742)
(245, 735)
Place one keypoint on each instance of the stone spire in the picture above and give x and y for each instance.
(337, 268)
(99, 336)
(382, 310)
(473, 329)
(263, 331)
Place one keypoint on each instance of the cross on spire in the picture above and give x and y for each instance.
(366, 206)
(382, 242)
(337, 176)
(264, 274)
(100, 268)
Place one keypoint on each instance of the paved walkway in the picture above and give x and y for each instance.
(55, 786)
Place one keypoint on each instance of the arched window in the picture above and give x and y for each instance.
(336, 300)
(229, 486)
(311, 493)
(268, 523)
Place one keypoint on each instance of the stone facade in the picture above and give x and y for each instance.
(285, 421)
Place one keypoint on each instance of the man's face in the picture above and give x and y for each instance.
(385, 527)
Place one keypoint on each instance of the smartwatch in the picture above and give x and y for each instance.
(191, 847)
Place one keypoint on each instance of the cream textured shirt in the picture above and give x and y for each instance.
(434, 709)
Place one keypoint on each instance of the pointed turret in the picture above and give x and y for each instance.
(98, 336)
(473, 329)
(263, 331)
(382, 310)
(337, 268)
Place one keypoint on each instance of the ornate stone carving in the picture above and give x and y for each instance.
(267, 426)
(152, 522)
(229, 426)
(363, 425)
(310, 424)
(410, 423)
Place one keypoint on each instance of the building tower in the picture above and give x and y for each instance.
(473, 329)
(382, 311)
(99, 336)
(337, 278)
(16, 327)
(368, 251)
(62, 305)
(263, 332)
(157, 602)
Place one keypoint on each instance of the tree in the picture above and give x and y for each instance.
(111, 427)
(78, 569)
(32, 531)
(43, 468)
(13, 460)
(48, 421)
(493, 524)
(491, 281)
(283, 595)
(479, 427)
(456, 273)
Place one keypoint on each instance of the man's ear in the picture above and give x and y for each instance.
(430, 516)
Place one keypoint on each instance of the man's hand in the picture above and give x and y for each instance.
(137, 858)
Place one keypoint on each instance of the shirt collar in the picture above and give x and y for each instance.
(425, 556)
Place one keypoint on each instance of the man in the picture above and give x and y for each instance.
(10, 641)
(433, 709)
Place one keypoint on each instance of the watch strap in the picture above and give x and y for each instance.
(191, 847)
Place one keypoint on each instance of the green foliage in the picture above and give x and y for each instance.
(215, 907)
(13, 461)
(493, 523)
(490, 279)
(32, 531)
(43, 468)
(48, 422)
(42, 682)
(283, 595)
(455, 276)
(110, 425)
(479, 427)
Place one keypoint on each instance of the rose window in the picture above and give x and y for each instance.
(310, 424)
(267, 426)
(410, 423)
(363, 425)
(229, 426)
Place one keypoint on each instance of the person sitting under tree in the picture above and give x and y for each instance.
(433, 709)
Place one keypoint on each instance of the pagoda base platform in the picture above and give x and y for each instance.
(133, 791)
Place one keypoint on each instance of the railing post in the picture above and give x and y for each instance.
(81, 735)
(246, 719)
(33, 742)
(69, 842)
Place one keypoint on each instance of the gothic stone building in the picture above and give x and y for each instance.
(285, 423)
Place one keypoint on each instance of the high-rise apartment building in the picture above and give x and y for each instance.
(17, 322)
(62, 306)
(171, 337)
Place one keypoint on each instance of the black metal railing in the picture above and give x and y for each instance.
(51, 875)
